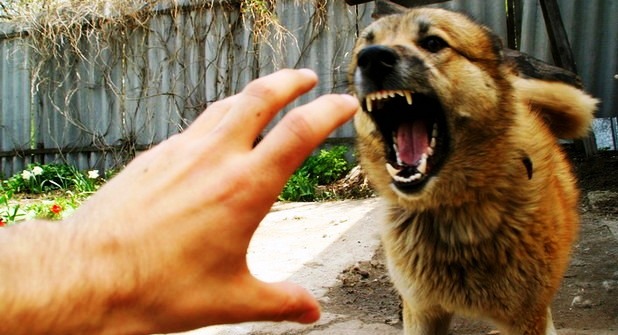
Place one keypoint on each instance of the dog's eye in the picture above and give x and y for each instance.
(433, 43)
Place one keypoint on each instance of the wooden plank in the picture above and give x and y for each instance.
(73, 150)
(563, 55)
(560, 46)
(514, 10)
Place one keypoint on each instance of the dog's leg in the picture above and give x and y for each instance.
(426, 321)
(541, 325)
(550, 329)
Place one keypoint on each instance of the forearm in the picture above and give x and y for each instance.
(56, 279)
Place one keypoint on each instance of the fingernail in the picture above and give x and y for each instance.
(351, 99)
(308, 72)
(307, 317)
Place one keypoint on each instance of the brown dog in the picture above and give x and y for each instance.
(481, 204)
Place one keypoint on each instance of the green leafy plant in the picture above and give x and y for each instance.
(326, 167)
(66, 183)
(300, 187)
(85, 182)
(55, 209)
(38, 179)
(8, 212)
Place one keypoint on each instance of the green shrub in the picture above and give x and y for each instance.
(300, 187)
(37, 179)
(326, 167)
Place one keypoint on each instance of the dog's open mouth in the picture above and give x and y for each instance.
(415, 134)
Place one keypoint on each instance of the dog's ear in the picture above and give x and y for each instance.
(385, 8)
(567, 110)
(529, 67)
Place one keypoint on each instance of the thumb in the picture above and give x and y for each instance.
(285, 301)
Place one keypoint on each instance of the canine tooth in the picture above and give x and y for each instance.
(391, 170)
(422, 167)
(368, 103)
(408, 97)
(433, 143)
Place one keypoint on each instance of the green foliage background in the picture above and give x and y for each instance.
(326, 167)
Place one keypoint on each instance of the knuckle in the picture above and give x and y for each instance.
(258, 89)
(298, 126)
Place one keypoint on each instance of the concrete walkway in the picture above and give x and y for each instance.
(310, 244)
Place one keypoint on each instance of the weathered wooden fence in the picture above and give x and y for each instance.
(121, 89)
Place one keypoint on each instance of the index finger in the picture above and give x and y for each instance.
(261, 99)
(300, 131)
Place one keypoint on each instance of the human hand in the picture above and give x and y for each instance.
(177, 222)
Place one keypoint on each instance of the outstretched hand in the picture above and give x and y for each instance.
(164, 242)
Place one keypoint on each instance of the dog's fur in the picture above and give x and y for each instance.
(487, 230)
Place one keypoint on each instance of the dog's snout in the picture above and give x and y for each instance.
(377, 60)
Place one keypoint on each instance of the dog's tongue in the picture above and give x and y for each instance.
(412, 141)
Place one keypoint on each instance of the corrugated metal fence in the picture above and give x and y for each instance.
(135, 86)
(141, 84)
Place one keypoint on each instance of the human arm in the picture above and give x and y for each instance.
(162, 246)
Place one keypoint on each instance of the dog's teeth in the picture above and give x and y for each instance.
(408, 97)
(399, 162)
(422, 166)
(429, 151)
(409, 179)
(433, 143)
(391, 94)
(391, 170)
(368, 103)
(399, 93)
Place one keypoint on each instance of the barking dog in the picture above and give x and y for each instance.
(480, 201)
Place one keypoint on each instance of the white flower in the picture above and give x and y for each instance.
(93, 174)
(25, 175)
(37, 171)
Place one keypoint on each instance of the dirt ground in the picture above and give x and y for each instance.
(588, 299)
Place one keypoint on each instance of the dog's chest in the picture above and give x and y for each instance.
(434, 258)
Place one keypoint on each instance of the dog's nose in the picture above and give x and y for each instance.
(377, 60)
